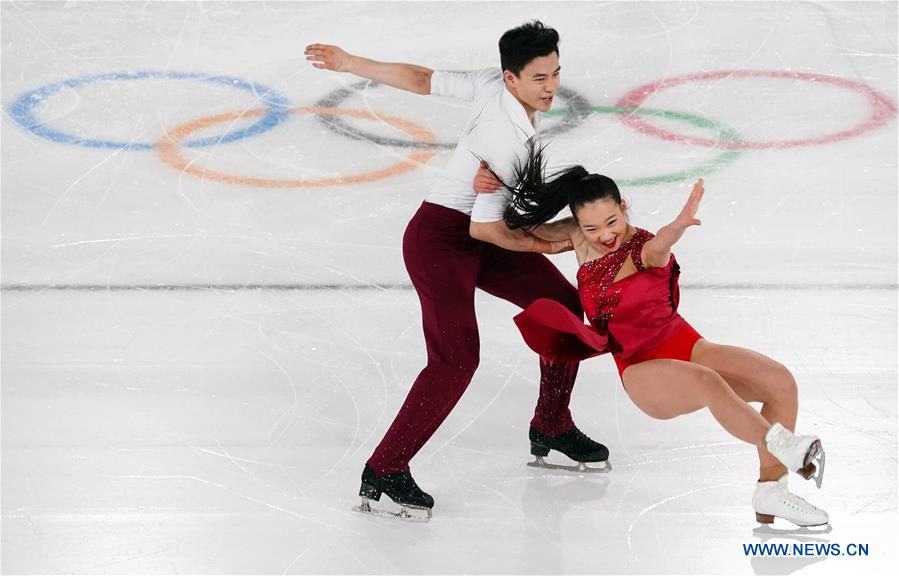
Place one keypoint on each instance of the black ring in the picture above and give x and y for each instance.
(578, 109)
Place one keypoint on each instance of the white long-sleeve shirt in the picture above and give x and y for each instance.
(497, 131)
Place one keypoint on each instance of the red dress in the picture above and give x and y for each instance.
(634, 318)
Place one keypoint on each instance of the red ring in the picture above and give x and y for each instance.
(882, 109)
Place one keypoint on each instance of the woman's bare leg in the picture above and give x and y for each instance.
(755, 378)
(668, 388)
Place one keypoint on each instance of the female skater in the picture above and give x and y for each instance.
(628, 284)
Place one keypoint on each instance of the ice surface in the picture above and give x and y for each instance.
(194, 371)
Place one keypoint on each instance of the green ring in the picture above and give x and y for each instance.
(715, 164)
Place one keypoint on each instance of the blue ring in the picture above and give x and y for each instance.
(22, 110)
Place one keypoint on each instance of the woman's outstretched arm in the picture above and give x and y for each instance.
(657, 252)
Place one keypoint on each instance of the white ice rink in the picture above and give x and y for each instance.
(200, 350)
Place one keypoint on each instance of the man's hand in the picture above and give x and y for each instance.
(560, 246)
(517, 240)
(409, 77)
(328, 57)
(485, 182)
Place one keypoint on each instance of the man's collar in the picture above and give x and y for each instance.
(519, 117)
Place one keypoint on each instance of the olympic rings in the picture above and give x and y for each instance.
(723, 159)
(578, 108)
(881, 108)
(22, 110)
(168, 149)
(277, 107)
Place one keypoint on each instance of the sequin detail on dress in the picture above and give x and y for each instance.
(599, 292)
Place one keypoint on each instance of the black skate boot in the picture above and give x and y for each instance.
(574, 444)
(401, 488)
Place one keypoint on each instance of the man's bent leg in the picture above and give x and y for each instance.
(442, 261)
(521, 278)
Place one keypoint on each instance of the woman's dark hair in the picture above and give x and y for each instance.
(536, 201)
(519, 46)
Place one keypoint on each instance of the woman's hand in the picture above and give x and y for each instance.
(657, 251)
(687, 216)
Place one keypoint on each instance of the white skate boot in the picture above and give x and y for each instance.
(774, 499)
(801, 454)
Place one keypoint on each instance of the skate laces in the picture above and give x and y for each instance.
(403, 481)
(789, 440)
(785, 439)
(797, 502)
(578, 439)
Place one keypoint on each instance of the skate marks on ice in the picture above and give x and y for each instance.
(630, 528)
(286, 473)
(549, 503)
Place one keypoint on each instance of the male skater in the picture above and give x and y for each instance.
(458, 241)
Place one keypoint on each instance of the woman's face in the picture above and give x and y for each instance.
(603, 223)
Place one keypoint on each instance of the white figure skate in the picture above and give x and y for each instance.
(801, 454)
(774, 500)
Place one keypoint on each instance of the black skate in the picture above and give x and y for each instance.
(415, 504)
(574, 444)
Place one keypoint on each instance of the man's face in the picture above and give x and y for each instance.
(536, 86)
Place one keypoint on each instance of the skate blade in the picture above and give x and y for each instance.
(768, 520)
(407, 513)
(580, 467)
(814, 464)
(772, 530)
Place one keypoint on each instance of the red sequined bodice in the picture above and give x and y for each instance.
(595, 280)
(636, 311)
(627, 317)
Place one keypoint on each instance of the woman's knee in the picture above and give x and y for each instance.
(780, 383)
(710, 385)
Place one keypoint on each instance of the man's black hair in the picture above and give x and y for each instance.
(519, 46)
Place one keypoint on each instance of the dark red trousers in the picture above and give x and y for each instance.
(446, 265)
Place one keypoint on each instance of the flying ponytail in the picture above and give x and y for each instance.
(535, 201)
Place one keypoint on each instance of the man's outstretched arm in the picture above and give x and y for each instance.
(409, 77)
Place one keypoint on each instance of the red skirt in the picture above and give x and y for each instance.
(551, 330)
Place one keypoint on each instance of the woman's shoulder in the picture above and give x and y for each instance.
(637, 239)
(643, 234)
